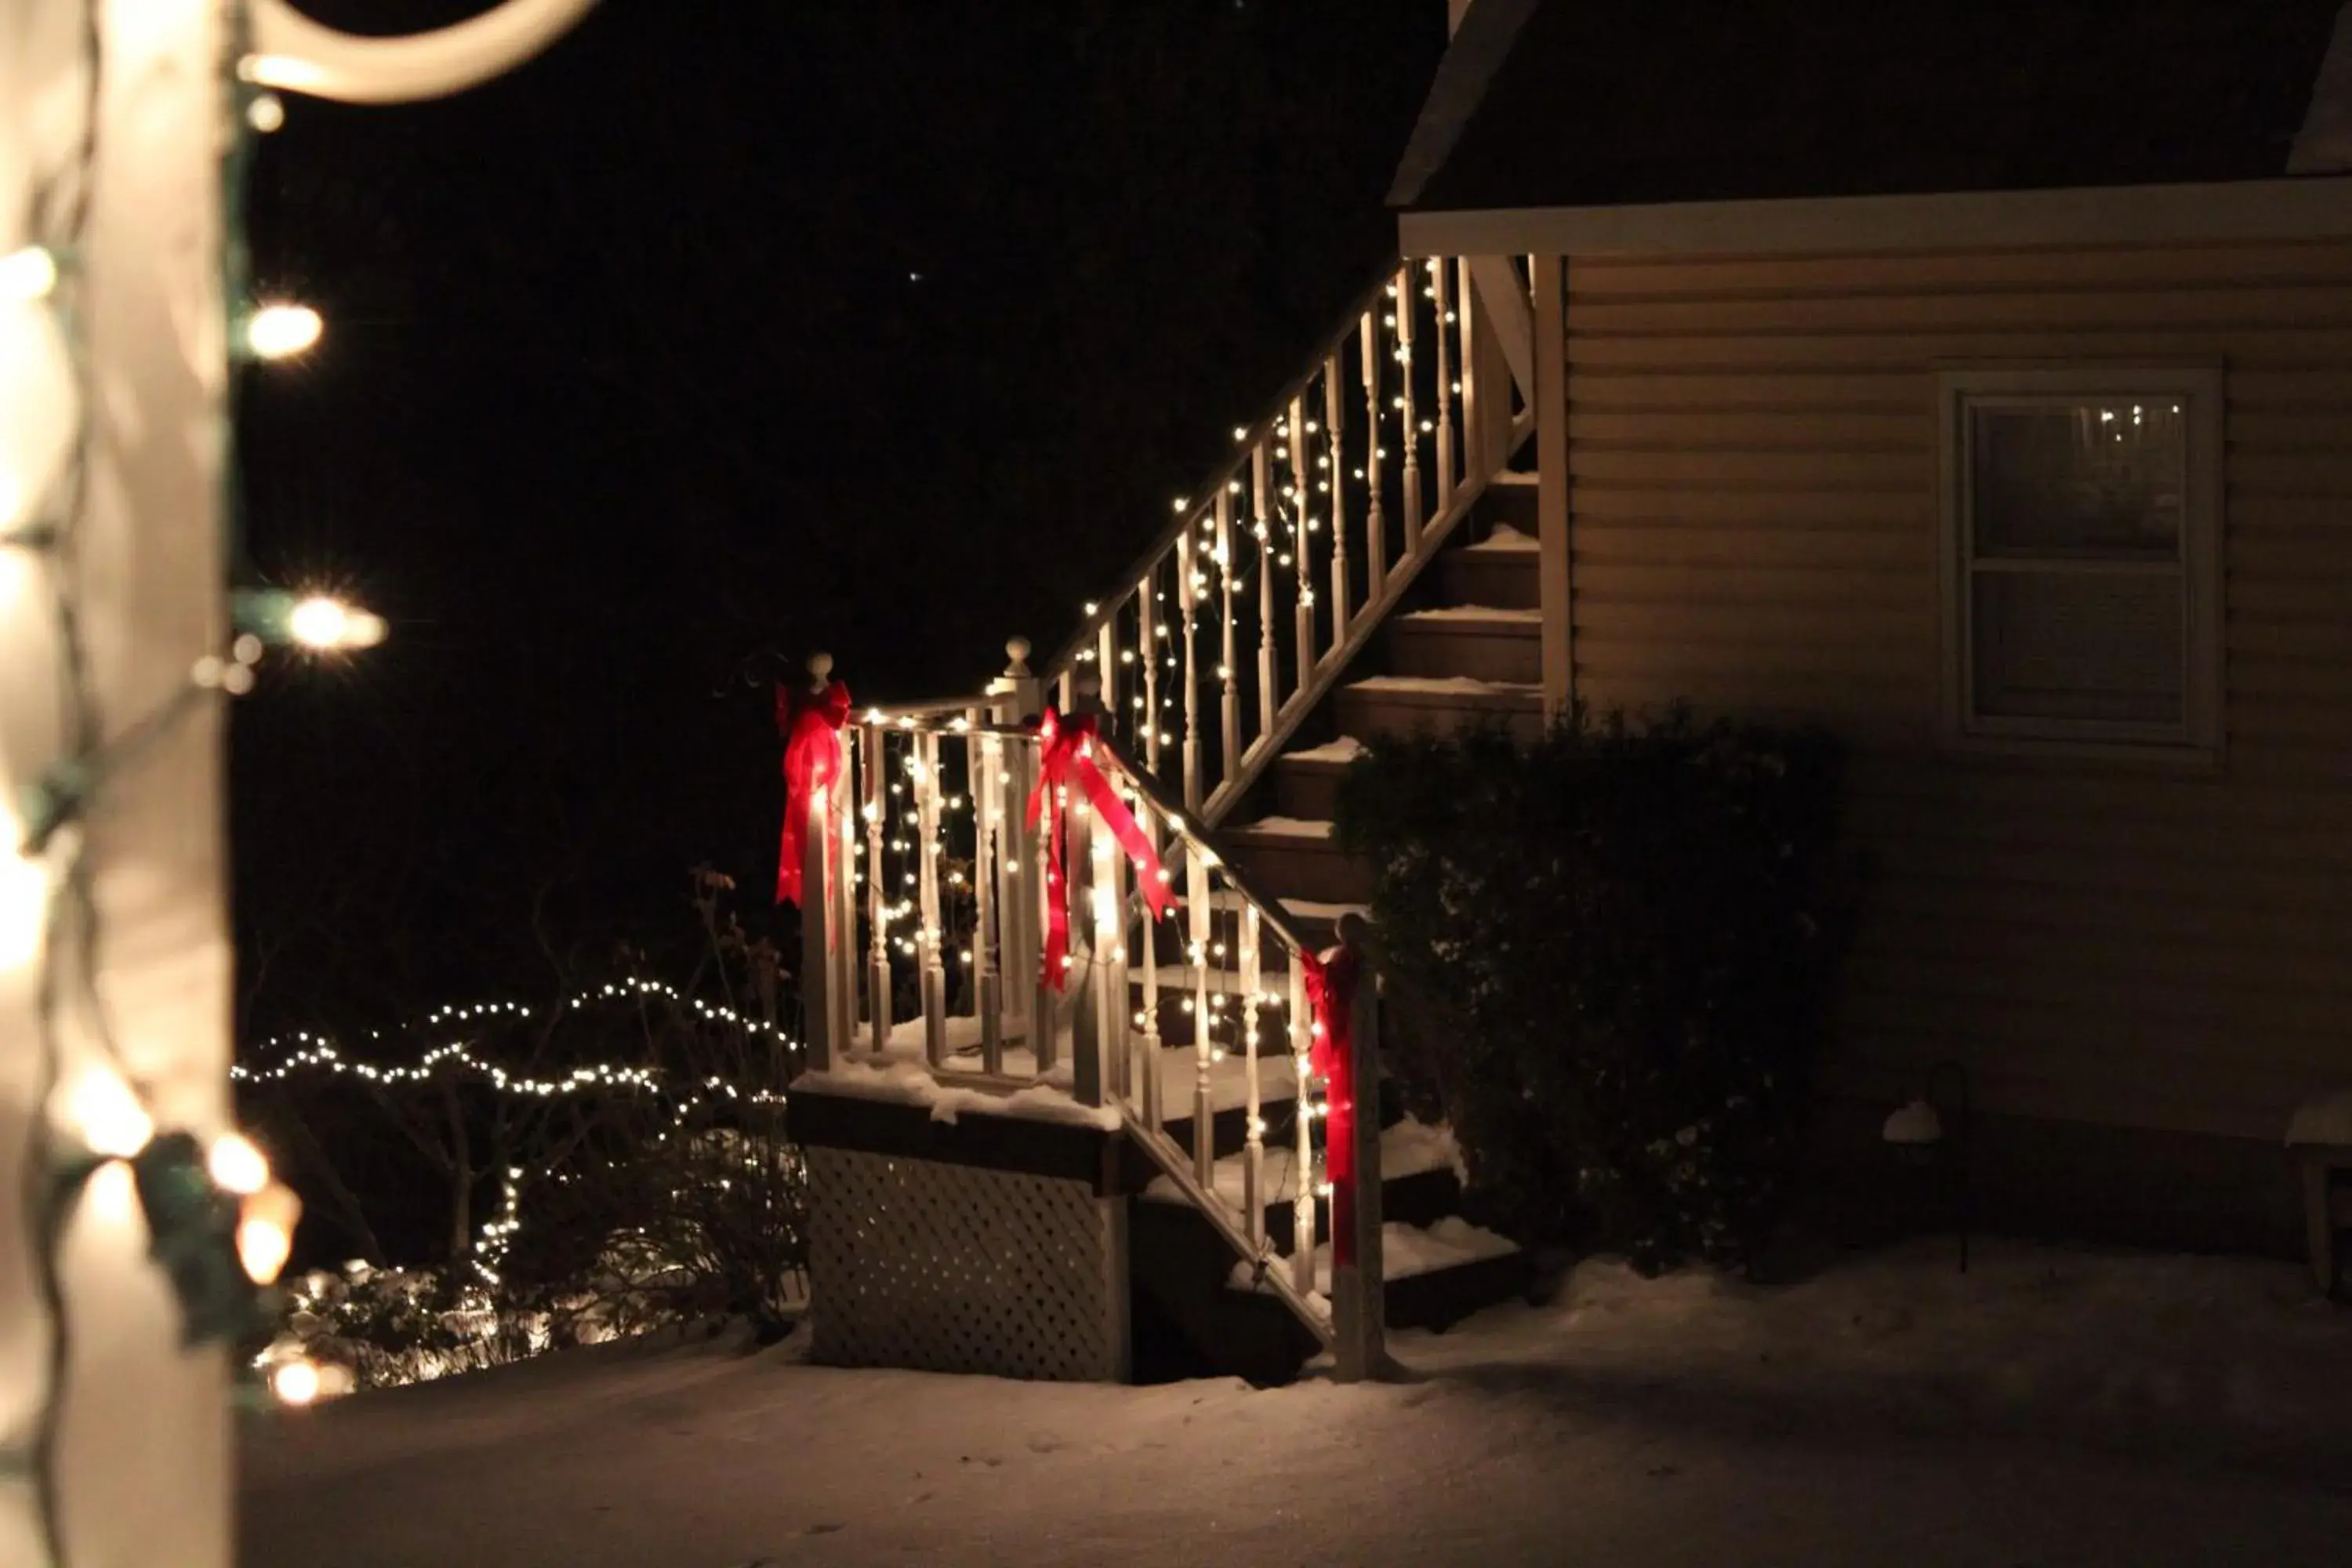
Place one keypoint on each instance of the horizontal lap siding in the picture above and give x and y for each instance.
(1752, 458)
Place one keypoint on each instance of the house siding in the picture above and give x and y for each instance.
(1754, 523)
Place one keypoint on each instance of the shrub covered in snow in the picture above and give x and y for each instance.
(1621, 942)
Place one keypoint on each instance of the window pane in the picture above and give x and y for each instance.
(2078, 644)
(2096, 479)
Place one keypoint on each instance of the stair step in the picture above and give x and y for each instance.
(1297, 857)
(1483, 642)
(1307, 783)
(1433, 1278)
(1405, 705)
(1500, 572)
(1510, 498)
(1421, 1181)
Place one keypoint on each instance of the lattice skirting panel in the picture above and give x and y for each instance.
(942, 1268)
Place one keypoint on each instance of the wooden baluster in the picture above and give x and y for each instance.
(1188, 596)
(1443, 297)
(984, 762)
(1116, 720)
(1254, 1148)
(841, 942)
(1204, 1121)
(1227, 671)
(1262, 528)
(1147, 1017)
(1113, 1022)
(1335, 449)
(1302, 557)
(1066, 690)
(1302, 1201)
(819, 1006)
(1358, 1291)
(877, 885)
(1375, 527)
(1082, 863)
(1147, 649)
(1475, 456)
(1045, 1030)
(930, 940)
(1408, 411)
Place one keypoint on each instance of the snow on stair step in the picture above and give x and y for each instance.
(1506, 539)
(1493, 614)
(1283, 828)
(1405, 1252)
(1332, 914)
(1410, 1148)
(1445, 686)
(1344, 750)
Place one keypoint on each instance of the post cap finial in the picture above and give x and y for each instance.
(1017, 650)
(820, 666)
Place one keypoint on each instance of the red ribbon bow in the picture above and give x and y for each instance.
(1068, 757)
(808, 722)
(1330, 998)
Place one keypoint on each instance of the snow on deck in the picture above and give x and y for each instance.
(2050, 1407)
(1346, 748)
(910, 1083)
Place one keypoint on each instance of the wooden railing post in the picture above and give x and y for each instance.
(1014, 698)
(984, 762)
(818, 1010)
(875, 804)
(1357, 1296)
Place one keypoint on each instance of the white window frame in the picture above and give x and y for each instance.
(2196, 740)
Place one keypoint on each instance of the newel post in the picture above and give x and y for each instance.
(820, 985)
(1013, 697)
(1358, 1297)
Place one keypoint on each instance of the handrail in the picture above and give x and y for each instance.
(1091, 627)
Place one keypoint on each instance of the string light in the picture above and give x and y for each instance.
(279, 330)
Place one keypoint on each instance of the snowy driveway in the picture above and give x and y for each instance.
(2053, 1408)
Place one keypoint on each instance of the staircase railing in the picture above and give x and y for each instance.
(928, 895)
(1242, 614)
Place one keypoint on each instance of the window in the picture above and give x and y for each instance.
(2082, 519)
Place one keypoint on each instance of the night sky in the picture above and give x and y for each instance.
(729, 330)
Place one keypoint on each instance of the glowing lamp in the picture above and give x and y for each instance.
(106, 1116)
(27, 274)
(280, 331)
(265, 1231)
(295, 1382)
(326, 624)
(236, 1166)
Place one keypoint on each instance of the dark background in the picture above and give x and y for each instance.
(729, 330)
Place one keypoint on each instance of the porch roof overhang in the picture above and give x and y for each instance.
(2312, 206)
(1565, 125)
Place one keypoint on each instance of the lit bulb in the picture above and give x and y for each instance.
(23, 898)
(107, 1116)
(323, 623)
(266, 113)
(295, 1382)
(237, 1165)
(265, 1231)
(280, 331)
(27, 274)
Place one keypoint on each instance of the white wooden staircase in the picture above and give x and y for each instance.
(1363, 569)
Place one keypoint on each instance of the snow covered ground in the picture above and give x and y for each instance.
(2052, 1407)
